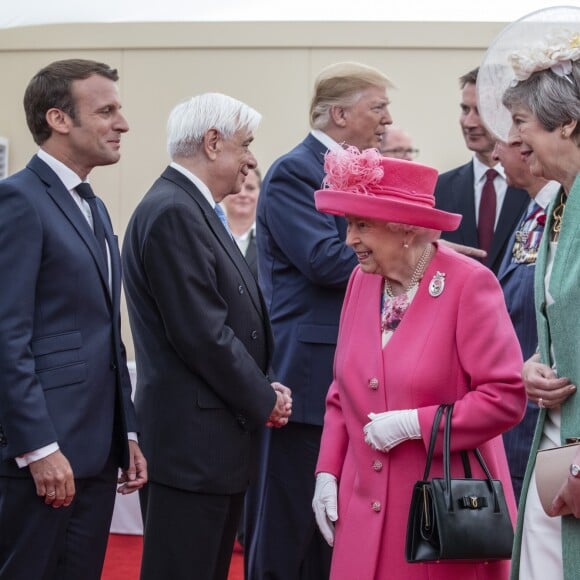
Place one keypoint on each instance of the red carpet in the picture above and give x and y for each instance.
(124, 557)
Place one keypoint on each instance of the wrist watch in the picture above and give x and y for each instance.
(575, 470)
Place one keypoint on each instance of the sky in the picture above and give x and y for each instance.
(32, 12)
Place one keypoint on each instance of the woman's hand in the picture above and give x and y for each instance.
(386, 430)
(568, 499)
(543, 386)
(324, 504)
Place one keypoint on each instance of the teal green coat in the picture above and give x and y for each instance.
(558, 327)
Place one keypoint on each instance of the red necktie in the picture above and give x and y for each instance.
(486, 219)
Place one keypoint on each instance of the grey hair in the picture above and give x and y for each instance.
(189, 121)
(423, 235)
(552, 99)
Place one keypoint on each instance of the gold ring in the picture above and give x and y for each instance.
(541, 403)
(51, 494)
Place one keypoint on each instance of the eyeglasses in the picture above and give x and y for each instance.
(401, 153)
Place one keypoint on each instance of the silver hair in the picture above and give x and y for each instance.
(552, 99)
(189, 121)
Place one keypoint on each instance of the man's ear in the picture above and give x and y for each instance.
(58, 121)
(212, 143)
(338, 115)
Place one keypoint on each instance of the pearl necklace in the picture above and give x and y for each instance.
(394, 307)
(417, 273)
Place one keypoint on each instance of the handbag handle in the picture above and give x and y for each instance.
(432, 440)
(447, 463)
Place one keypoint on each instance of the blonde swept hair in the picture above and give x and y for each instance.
(342, 84)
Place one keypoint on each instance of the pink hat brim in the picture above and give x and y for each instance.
(386, 209)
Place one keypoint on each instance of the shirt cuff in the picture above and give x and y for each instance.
(132, 436)
(26, 459)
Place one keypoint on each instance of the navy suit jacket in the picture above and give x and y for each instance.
(202, 339)
(304, 266)
(454, 193)
(517, 282)
(63, 366)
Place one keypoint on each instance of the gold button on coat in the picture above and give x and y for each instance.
(377, 465)
(374, 383)
(376, 506)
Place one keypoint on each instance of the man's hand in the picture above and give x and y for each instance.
(543, 385)
(54, 480)
(283, 408)
(135, 477)
(465, 250)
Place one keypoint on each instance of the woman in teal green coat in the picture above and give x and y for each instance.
(543, 99)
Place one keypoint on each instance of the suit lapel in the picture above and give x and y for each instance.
(63, 199)
(514, 205)
(215, 225)
(463, 192)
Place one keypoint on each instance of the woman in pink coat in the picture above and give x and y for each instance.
(421, 325)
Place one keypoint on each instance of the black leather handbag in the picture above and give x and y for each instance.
(457, 519)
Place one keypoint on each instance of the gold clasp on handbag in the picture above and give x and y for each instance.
(472, 502)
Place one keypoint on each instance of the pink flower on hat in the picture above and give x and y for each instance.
(353, 170)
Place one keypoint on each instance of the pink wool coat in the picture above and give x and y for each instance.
(458, 347)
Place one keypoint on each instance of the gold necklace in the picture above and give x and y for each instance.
(417, 273)
(558, 216)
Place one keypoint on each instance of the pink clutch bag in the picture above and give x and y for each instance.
(552, 469)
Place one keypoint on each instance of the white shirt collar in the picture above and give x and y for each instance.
(479, 169)
(325, 139)
(69, 178)
(547, 194)
(203, 188)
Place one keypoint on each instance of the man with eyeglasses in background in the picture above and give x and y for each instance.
(397, 143)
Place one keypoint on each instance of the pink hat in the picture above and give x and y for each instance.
(366, 184)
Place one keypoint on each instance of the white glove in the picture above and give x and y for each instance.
(324, 505)
(386, 430)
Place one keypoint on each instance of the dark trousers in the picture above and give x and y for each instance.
(39, 542)
(187, 535)
(286, 543)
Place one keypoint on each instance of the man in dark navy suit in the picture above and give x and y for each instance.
(516, 276)
(304, 266)
(460, 190)
(66, 415)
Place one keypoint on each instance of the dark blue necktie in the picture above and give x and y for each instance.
(87, 193)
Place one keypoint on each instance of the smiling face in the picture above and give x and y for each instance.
(376, 246)
(477, 138)
(94, 135)
(234, 162)
(365, 120)
(517, 172)
(542, 150)
(243, 205)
